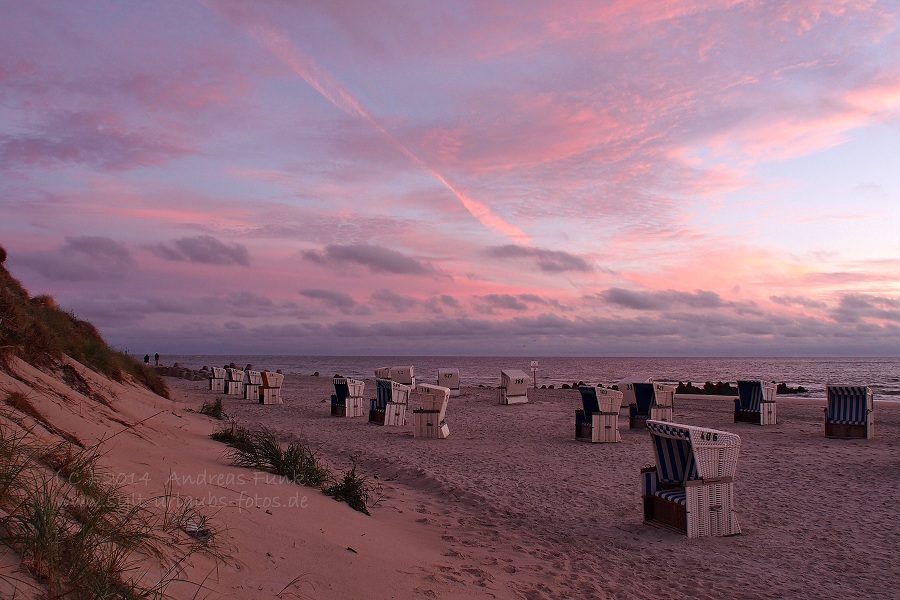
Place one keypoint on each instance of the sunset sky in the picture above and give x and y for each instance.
(529, 178)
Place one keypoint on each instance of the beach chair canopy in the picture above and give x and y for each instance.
(218, 373)
(405, 375)
(439, 392)
(644, 398)
(253, 377)
(750, 395)
(234, 375)
(685, 453)
(390, 391)
(597, 400)
(449, 378)
(271, 379)
(383, 373)
(848, 404)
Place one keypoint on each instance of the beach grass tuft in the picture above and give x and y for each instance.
(213, 409)
(82, 536)
(298, 463)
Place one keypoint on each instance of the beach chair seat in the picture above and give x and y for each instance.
(390, 402)
(651, 401)
(598, 420)
(849, 412)
(429, 419)
(691, 487)
(755, 403)
(347, 400)
(513, 386)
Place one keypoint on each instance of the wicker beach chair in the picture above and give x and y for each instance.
(755, 403)
(234, 382)
(598, 421)
(390, 402)
(347, 399)
(252, 383)
(691, 488)
(270, 390)
(383, 373)
(429, 419)
(513, 386)
(449, 378)
(217, 380)
(651, 401)
(850, 412)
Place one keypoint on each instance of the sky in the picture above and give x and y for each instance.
(520, 178)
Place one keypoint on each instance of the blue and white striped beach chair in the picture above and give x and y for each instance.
(755, 403)
(598, 421)
(389, 405)
(850, 412)
(691, 488)
(347, 399)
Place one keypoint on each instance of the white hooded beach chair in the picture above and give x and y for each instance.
(651, 401)
(429, 419)
(383, 373)
(390, 402)
(252, 383)
(755, 403)
(691, 488)
(850, 412)
(347, 399)
(234, 382)
(598, 421)
(270, 390)
(405, 375)
(513, 386)
(449, 378)
(217, 380)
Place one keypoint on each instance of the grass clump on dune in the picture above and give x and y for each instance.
(298, 463)
(79, 535)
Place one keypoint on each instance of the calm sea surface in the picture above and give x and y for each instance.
(880, 374)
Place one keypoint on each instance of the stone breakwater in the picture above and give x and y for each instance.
(182, 373)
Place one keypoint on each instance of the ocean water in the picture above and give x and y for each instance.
(882, 375)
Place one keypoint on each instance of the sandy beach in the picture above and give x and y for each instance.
(512, 506)
(509, 506)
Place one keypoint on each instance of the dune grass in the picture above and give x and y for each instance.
(40, 333)
(80, 535)
(298, 463)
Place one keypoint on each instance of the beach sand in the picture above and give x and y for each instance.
(512, 506)
(509, 506)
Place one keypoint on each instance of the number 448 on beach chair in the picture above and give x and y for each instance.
(691, 488)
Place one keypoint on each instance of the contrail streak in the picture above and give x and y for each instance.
(301, 64)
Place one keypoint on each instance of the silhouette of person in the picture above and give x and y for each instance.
(156, 356)
(146, 359)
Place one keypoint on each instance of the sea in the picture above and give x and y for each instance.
(882, 375)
